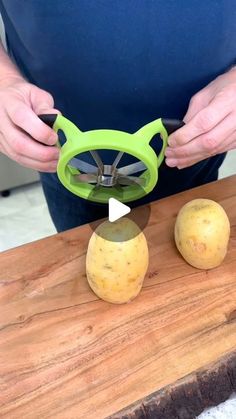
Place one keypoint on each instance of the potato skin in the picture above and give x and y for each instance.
(117, 261)
(202, 231)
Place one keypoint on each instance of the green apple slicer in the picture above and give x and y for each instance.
(99, 181)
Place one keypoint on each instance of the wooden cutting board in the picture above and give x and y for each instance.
(66, 354)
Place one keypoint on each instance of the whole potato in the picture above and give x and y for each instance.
(117, 261)
(202, 232)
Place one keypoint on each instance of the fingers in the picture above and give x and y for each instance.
(32, 163)
(24, 117)
(203, 122)
(50, 167)
(23, 149)
(183, 161)
(23, 136)
(40, 100)
(198, 102)
(230, 144)
(205, 145)
(23, 145)
(209, 129)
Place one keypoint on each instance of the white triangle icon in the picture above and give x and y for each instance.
(117, 210)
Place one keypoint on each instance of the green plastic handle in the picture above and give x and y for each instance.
(137, 145)
(58, 122)
(161, 126)
(148, 131)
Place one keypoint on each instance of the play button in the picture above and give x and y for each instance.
(117, 210)
(113, 211)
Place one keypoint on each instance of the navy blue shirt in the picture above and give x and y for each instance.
(122, 63)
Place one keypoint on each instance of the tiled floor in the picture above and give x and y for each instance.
(226, 410)
(24, 218)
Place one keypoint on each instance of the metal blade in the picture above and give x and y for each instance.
(132, 168)
(83, 166)
(97, 160)
(107, 169)
(117, 159)
(86, 178)
(107, 181)
(131, 180)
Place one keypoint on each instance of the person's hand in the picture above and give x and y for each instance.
(210, 124)
(23, 136)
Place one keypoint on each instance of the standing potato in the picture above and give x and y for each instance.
(202, 232)
(117, 261)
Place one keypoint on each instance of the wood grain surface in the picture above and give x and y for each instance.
(66, 354)
(187, 397)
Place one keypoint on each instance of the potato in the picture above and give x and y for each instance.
(202, 232)
(117, 261)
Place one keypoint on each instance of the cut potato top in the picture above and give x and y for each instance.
(117, 260)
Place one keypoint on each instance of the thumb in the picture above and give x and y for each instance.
(198, 102)
(42, 101)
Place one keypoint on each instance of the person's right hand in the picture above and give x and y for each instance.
(23, 136)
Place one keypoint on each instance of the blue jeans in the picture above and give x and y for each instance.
(68, 210)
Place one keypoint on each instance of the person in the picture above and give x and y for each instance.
(118, 65)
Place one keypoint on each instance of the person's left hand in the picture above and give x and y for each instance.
(210, 124)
